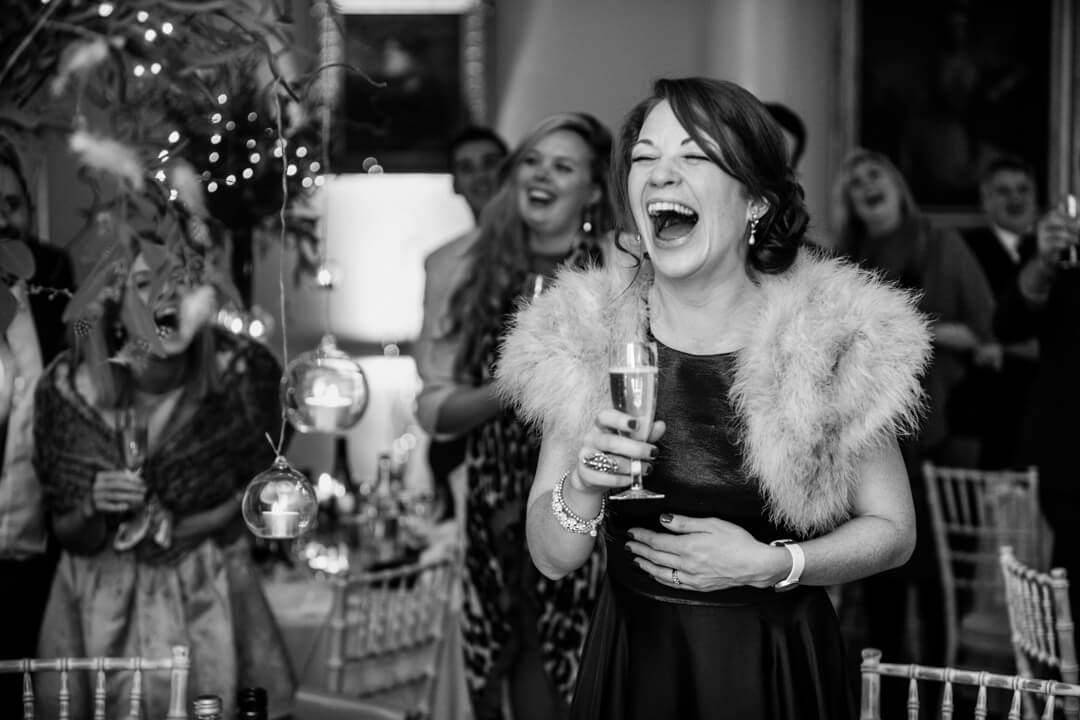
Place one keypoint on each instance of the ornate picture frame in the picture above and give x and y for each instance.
(1012, 71)
(418, 74)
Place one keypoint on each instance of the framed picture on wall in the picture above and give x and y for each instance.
(417, 77)
(944, 86)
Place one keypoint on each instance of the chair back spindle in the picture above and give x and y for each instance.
(99, 690)
(65, 691)
(28, 690)
(135, 711)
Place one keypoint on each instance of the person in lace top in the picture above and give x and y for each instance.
(154, 552)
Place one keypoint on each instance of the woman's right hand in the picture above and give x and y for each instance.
(118, 491)
(606, 455)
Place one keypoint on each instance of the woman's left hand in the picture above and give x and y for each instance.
(703, 554)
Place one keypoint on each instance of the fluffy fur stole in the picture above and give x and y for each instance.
(830, 370)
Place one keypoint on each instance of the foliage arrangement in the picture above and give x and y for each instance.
(188, 117)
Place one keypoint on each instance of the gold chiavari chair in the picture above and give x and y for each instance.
(973, 513)
(1040, 620)
(388, 628)
(873, 670)
(178, 665)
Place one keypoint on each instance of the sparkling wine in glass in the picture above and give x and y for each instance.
(132, 439)
(632, 371)
(535, 285)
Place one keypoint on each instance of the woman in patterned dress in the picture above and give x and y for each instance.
(552, 209)
(157, 555)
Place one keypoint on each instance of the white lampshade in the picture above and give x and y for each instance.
(379, 230)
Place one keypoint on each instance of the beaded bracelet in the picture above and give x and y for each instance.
(569, 519)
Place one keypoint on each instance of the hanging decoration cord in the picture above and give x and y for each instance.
(326, 85)
(281, 270)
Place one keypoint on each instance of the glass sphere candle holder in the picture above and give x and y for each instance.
(324, 391)
(279, 503)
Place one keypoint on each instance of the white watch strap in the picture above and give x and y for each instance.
(798, 562)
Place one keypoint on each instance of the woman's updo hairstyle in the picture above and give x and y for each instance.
(737, 132)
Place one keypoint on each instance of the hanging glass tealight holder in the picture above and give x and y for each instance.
(279, 503)
(324, 390)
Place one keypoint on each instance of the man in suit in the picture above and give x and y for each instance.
(992, 402)
(475, 155)
(1044, 302)
(27, 345)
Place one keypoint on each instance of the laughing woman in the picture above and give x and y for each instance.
(154, 551)
(552, 209)
(784, 378)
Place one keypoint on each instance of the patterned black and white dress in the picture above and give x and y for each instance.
(500, 578)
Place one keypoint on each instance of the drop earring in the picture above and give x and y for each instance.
(753, 231)
(586, 221)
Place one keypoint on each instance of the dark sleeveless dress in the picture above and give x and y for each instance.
(657, 652)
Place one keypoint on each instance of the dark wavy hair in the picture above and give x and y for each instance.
(499, 259)
(737, 132)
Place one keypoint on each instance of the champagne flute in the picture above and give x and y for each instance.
(535, 284)
(135, 524)
(633, 371)
(1068, 207)
(132, 439)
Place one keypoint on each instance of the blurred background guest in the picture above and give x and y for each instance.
(991, 403)
(552, 208)
(1044, 303)
(32, 339)
(475, 154)
(794, 130)
(881, 227)
(142, 455)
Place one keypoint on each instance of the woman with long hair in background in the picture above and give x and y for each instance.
(552, 210)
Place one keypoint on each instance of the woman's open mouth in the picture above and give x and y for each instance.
(167, 320)
(873, 199)
(539, 196)
(671, 220)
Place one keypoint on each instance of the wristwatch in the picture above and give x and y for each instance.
(798, 562)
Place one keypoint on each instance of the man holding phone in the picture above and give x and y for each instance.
(1045, 303)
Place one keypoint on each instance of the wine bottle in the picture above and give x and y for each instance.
(208, 707)
(346, 504)
(389, 512)
(251, 704)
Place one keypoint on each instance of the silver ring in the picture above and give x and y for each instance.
(675, 577)
(601, 462)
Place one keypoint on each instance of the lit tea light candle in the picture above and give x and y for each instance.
(281, 523)
(327, 407)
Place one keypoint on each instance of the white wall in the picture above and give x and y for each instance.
(782, 50)
(600, 56)
(596, 56)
